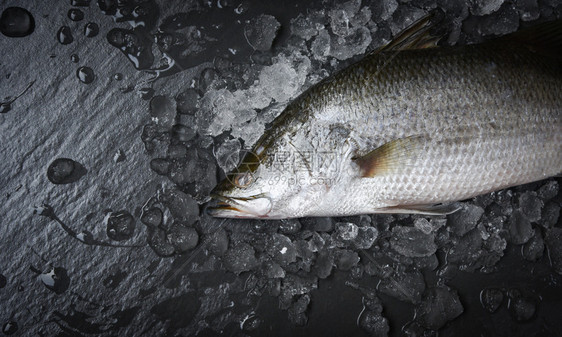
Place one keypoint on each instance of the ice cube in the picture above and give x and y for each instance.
(520, 229)
(261, 31)
(324, 263)
(355, 43)
(404, 286)
(462, 221)
(412, 242)
(303, 27)
(553, 241)
(439, 305)
(320, 47)
(346, 259)
(484, 7)
(182, 238)
(533, 249)
(240, 258)
(530, 205)
(548, 190)
(281, 249)
(228, 154)
(550, 215)
(383, 10)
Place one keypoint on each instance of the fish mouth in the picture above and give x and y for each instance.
(257, 206)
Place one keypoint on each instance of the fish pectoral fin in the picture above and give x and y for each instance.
(390, 157)
(418, 35)
(434, 209)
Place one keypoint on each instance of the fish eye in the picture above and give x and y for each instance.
(243, 179)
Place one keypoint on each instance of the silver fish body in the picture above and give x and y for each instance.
(401, 130)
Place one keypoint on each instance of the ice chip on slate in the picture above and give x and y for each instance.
(303, 27)
(228, 154)
(346, 259)
(404, 286)
(218, 242)
(281, 249)
(240, 258)
(412, 242)
(120, 225)
(320, 46)
(491, 299)
(439, 305)
(273, 270)
(529, 9)
(160, 165)
(548, 190)
(297, 311)
(467, 249)
(553, 241)
(462, 221)
(293, 285)
(504, 21)
(382, 10)
(341, 18)
(181, 205)
(187, 101)
(520, 229)
(56, 279)
(423, 225)
(152, 217)
(65, 171)
(374, 324)
(485, 7)
(533, 249)
(403, 17)
(183, 238)
(261, 31)
(366, 237)
(324, 264)
(159, 243)
(550, 215)
(346, 231)
(530, 205)
(354, 44)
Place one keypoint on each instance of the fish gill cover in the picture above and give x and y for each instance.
(120, 117)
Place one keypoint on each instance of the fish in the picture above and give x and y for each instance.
(411, 128)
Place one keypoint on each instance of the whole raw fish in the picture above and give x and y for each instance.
(408, 129)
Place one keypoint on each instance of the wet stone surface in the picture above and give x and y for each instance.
(105, 185)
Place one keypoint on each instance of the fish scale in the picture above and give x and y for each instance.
(457, 122)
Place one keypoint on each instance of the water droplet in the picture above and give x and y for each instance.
(75, 58)
(16, 22)
(75, 14)
(10, 328)
(118, 77)
(85, 75)
(64, 35)
(80, 3)
(65, 171)
(3, 281)
(91, 29)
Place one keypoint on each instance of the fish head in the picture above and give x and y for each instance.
(254, 189)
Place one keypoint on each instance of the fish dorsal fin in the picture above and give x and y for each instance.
(544, 38)
(416, 36)
(389, 157)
